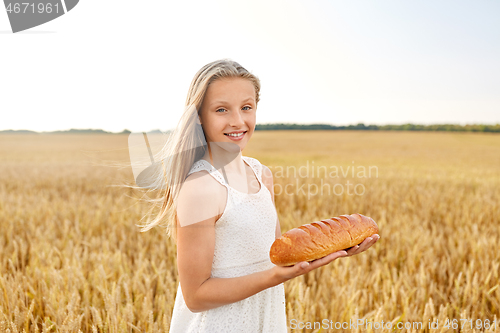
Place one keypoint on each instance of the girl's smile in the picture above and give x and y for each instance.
(235, 136)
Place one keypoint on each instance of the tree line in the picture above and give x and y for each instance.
(283, 126)
(402, 127)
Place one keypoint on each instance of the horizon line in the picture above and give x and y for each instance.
(359, 125)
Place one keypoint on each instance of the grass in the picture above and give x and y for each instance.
(72, 259)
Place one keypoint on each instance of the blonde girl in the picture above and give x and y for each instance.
(220, 210)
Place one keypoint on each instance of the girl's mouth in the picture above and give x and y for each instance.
(236, 137)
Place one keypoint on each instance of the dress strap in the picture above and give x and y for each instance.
(255, 165)
(204, 165)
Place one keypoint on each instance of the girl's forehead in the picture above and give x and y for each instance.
(234, 88)
(230, 81)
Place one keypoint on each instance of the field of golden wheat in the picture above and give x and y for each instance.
(72, 259)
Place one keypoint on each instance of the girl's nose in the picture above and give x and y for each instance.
(236, 120)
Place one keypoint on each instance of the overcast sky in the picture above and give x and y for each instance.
(117, 65)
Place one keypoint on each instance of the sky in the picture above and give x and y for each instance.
(116, 65)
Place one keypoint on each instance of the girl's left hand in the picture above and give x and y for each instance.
(357, 249)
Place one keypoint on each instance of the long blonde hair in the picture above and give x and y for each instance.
(187, 143)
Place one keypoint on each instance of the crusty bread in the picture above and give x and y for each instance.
(318, 239)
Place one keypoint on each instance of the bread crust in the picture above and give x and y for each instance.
(318, 239)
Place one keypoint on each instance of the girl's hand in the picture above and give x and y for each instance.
(285, 273)
(357, 249)
(289, 272)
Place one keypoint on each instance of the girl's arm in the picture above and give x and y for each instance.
(200, 203)
(194, 259)
(198, 208)
(195, 248)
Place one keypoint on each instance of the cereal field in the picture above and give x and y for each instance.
(72, 259)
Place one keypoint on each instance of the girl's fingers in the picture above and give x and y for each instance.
(329, 258)
(304, 267)
(353, 250)
(301, 268)
(367, 243)
(373, 240)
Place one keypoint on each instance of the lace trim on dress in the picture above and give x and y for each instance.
(205, 165)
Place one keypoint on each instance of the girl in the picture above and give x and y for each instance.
(221, 213)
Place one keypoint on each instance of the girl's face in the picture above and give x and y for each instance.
(229, 107)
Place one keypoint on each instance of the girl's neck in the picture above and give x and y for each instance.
(225, 156)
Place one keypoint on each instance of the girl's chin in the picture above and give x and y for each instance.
(233, 147)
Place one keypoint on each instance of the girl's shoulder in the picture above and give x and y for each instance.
(200, 197)
(198, 165)
(200, 180)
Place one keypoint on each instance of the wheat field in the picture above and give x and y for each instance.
(72, 259)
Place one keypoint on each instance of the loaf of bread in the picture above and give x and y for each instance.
(318, 239)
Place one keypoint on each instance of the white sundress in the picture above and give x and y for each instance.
(243, 237)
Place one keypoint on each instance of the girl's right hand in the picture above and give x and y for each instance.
(285, 273)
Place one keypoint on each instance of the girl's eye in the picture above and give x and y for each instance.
(249, 108)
